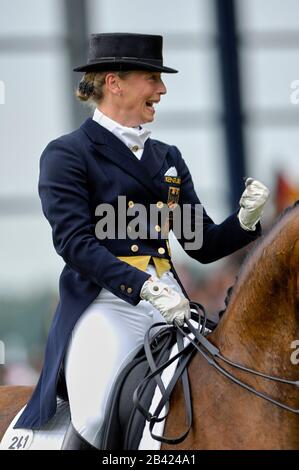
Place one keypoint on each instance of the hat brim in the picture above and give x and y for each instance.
(122, 65)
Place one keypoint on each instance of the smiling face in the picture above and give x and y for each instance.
(131, 100)
(141, 91)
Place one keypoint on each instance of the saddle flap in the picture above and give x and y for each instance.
(123, 426)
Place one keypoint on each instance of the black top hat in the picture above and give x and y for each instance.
(125, 51)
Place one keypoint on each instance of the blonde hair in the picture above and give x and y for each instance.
(91, 86)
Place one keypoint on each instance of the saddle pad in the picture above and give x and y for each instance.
(49, 437)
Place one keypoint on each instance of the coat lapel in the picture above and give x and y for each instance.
(109, 146)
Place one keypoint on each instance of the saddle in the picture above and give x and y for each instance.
(124, 423)
(127, 411)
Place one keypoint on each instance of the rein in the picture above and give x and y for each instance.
(210, 353)
(184, 355)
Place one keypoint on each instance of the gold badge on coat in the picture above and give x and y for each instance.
(172, 202)
(172, 179)
(173, 196)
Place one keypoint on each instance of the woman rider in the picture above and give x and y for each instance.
(114, 287)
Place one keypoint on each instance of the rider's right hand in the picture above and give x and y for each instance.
(170, 303)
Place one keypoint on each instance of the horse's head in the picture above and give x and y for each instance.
(263, 311)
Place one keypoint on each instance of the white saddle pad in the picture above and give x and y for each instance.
(49, 437)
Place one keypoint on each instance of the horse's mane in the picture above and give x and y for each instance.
(283, 214)
(278, 220)
(261, 241)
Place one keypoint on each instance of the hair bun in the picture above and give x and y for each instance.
(86, 87)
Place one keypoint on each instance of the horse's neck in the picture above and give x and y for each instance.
(261, 321)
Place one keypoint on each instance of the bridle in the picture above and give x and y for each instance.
(199, 343)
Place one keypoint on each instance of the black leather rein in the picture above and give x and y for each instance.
(199, 343)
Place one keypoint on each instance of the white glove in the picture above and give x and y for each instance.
(165, 299)
(252, 203)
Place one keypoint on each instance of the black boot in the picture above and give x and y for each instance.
(74, 441)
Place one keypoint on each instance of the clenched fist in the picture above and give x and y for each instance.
(252, 203)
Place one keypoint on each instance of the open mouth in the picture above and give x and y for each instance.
(150, 106)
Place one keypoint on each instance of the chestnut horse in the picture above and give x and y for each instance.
(258, 331)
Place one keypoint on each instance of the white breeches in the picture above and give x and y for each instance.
(104, 340)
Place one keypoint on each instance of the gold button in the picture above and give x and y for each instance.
(129, 290)
(161, 250)
(134, 248)
(122, 287)
(157, 228)
(134, 148)
(159, 204)
(131, 203)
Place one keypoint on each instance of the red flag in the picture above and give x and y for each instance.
(286, 192)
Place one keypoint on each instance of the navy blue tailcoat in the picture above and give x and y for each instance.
(78, 171)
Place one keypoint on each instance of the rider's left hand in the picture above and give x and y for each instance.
(252, 203)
